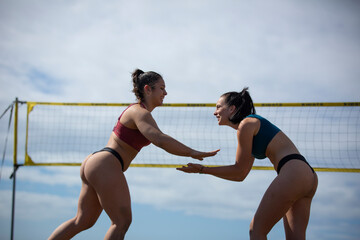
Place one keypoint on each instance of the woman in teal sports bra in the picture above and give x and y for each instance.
(104, 185)
(290, 194)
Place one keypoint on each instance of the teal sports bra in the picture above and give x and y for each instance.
(262, 139)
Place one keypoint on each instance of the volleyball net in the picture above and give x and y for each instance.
(63, 134)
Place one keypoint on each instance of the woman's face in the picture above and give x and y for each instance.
(223, 112)
(158, 92)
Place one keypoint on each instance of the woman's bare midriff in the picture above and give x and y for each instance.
(279, 147)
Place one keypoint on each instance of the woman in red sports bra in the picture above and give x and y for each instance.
(104, 186)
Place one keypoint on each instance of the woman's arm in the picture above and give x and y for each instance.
(229, 172)
(148, 127)
(244, 159)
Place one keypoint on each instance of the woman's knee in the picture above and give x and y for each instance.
(127, 220)
(83, 222)
(120, 228)
(126, 224)
(123, 220)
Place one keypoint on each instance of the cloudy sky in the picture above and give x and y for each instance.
(84, 51)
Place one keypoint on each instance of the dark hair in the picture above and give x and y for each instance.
(140, 79)
(242, 102)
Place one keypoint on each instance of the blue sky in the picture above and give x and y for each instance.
(84, 51)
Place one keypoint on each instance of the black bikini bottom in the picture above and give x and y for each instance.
(291, 157)
(115, 153)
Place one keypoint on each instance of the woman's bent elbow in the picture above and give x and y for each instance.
(240, 174)
(238, 179)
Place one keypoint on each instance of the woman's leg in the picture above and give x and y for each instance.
(294, 182)
(105, 175)
(273, 206)
(88, 212)
(297, 218)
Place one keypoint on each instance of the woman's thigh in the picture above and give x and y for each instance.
(297, 217)
(104, 173)
(283, 192)
(89, 208)
(273, 206)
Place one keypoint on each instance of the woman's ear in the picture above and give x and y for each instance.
(232, 109)
(147, 89)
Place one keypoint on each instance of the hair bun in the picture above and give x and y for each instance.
(136, 74)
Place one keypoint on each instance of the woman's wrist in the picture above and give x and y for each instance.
(201, 170)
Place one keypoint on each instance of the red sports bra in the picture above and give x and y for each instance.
(133, 137)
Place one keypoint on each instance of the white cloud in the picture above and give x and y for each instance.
(294, 47)
(345, 185)
(32, 206)
(66, 176)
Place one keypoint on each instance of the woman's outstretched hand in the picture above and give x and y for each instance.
(201, 155)
(191, 168)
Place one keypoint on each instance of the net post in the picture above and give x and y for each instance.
(13, 175)
(15, 131)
